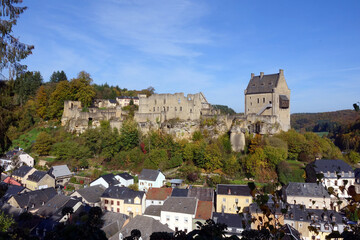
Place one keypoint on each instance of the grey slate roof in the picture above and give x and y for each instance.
(229, 189)
(306, 190)
(290, 233)
(266, 84)
(113, 223)
(53, 205)
(36, 176)
(126, 176)
(122, 193)
(112, 101)
(59, 171)
(22, 171)
(92, 194)
(146, 225)
(202, 194)
(179, 192)
(110, 179)
(153, 210)
(180, 205)
(149, 174)
(232, 221)
(36, 197)
(12, 190)
(333, 166)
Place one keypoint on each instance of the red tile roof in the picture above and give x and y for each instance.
(204, 210)
(158, 193)
(12, 181)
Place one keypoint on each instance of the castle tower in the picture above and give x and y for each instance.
(269, 95)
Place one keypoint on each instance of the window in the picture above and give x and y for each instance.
(224, 199)
(152, 202)
(180, 108)
(164, 101)
(179, 100)
(175, 109)
(335, 182)
(112, 202)
(106, 201)
(154, 109)
(176, 229)
(176, 218)
(263, 100)
(105, 208)
(236, 200)
(167, 108)
(326, 227)
(112, 209)
(258, 100)
(186, 220)
(129, 209)
(118, 210)
(247, 200)
(118, 203)
(190, 110)
(185, 230)
(167, 218)
(159, 202)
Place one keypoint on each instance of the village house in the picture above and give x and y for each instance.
(39, 180)
(157, 196)
(336, 173)
(106, 181)
(178, 212)
(310, 195)
(125, 179)
(90, 195)
(22, 173)
(205, 206)
(275, 218)
(32, 200)
(123, 200)
(235, 223)
(232, 198)
(11, 191)
(324, 221)
(61, 174)
(113, 222)
(149, 178)
(124, 101)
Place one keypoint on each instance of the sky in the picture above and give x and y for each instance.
(205, 46)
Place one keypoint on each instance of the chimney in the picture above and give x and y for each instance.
(261, 74)
(281, 71)
(252, 75)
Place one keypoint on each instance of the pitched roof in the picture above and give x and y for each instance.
(12, 190)
(112, 101)
(306, 190)
(36, 176)
(122, 193)
(126, 176)
(110, 179)
(149, 174)
(290, 233)
(180, 205)
(22, 171)
(153, 210)
(92, 194)
(237, 190)
(11, 181)
(53, 205)
(36, 198)
(204, 210)
(264, 84)
(59, 171)
(202, 194)
(146, 225)
(178, 192)
(333, 166)
(158, 193)
(232, 221)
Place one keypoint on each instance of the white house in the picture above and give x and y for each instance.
(157, 196)
(178, 212)
(149, 178)
(125, 179)
(27, 159)
(106, 181)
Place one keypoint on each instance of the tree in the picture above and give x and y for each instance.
(12, 50)
(58, 77)
(129, 135)
(82, 90)
(5, 222)
(43, 144)
(57, 98)
(26, 85)
(41, 101)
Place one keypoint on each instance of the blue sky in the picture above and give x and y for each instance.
(209, 46)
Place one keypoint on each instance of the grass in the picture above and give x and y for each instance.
(26, 140)
(297, 171)
(321, 134)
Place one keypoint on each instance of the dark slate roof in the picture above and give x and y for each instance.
(36, 176)
(202, 194)
(153, 210)
(112, 101)
(306, 190)
(111, 217)
(11, 210)
(232, 221)
(178, 192)
(92, 194)
(126, 176)
(149, 174)
(22, 171)
(266, 84)
(357, 173)
(36, 197)
(290, 233)
(110, 179)
(12, 190)
(53, 205)
(122, 193)
(333, 166)
(299, 213)
(59, 171)
(127, 97)
(180, 205)
(146, 225)
(237, 190)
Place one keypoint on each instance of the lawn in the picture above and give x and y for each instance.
(26, 140)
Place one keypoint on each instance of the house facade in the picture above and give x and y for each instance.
(61, 174)
(232, 198)
(39, 180)
(149, 178)
(90, 195)
(106, 181)
(157, 196)
(125, 179)
(22, 173)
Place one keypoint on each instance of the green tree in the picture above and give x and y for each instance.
(275, 155)
(82, 90)
(57, 98)
(231, 165)
(26, 85)
(43, 144)
(41, 101)
(353, 157)
(58, 77)
(12, 50)
(129, 135)
(5, 222)
(212, 157)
